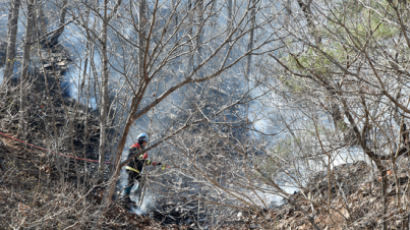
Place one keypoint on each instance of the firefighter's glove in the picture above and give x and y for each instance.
(164, 166)
(143, 156)
(156, 163)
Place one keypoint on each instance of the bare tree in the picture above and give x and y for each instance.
(342, 68)
(28, 42)
(104, 88)
(11, 39)
(160, 52)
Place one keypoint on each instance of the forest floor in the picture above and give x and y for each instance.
(33, 196)
(353, 199)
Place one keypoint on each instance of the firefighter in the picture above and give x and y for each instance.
(135, 166)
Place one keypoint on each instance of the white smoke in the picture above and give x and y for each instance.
(148, 202)
(268, 197)
(1, 75)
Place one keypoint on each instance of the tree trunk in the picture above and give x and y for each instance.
(174, 4)
(251, 37)
(230, 16)
(11, 40)
(250, 48)
(41, 22)
(143, 20)
(200, 23)
(104, 92)
(28, 40)
(53, 40)
(191, 63)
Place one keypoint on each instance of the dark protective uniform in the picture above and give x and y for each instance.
(137, 163)
(135, 167)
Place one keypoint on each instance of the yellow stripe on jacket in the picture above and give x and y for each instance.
(132, 169)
